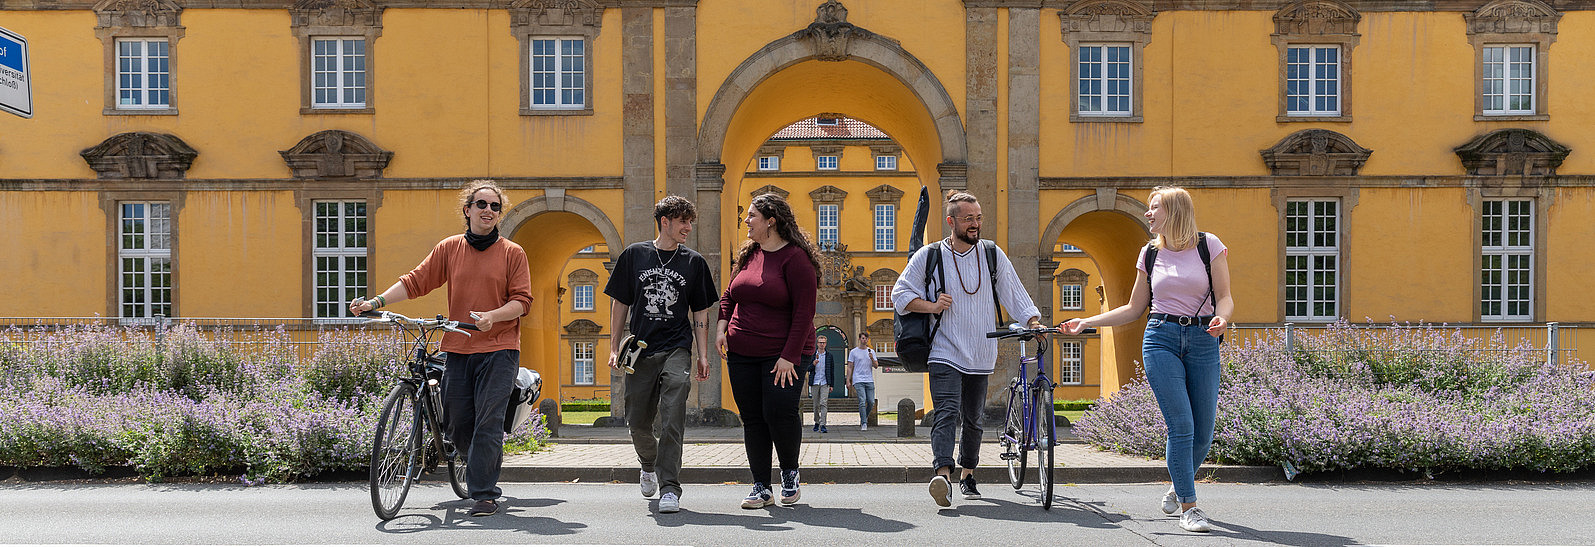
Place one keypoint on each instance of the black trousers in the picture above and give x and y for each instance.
(476, 391)
(770, 415)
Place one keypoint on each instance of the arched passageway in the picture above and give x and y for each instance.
(1108, 227)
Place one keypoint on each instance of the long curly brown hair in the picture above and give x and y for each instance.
(786, 226)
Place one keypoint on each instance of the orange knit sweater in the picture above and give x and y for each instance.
(478, 281)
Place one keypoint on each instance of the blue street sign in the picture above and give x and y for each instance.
(16, 88)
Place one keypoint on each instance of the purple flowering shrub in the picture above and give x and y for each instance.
(1406, 398)
(99, 397)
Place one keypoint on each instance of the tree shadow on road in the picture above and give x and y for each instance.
(1235, 533)
(513, 515)
(776, 518)
(1064, 510)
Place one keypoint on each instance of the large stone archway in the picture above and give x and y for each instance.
(919, 114)
(1111, 228)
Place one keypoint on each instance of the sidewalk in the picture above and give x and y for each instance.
(845, 455)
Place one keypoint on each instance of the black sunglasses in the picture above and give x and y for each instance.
(483, 204)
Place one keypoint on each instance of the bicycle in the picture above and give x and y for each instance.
(409, 438)
(1031, 423)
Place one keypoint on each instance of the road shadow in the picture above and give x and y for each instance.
(1234, 533)
(1064, 510)
(776, 518)
(514, 515)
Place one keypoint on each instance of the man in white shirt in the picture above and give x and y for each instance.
(861, 365)
(961, 357)
(820, 384)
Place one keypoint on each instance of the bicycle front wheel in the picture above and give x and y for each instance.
(1046, 439)
(1013, 433)
(394, 451)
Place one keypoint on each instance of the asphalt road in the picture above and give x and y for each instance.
(867, 514)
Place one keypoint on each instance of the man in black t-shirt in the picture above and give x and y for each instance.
(659, 283)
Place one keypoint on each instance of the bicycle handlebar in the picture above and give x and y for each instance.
(1017, 330)
(437, 323)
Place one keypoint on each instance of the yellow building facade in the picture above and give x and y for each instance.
(267, 158)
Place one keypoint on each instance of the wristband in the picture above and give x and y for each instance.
(374, 303)
(383, 299)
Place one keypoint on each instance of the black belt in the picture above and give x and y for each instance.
(1182, 320)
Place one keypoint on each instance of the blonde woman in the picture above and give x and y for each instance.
(1190, 312)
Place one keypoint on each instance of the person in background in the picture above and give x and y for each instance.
(860, 374)
(819, 383)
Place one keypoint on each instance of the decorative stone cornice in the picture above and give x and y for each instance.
(583, 276)
(1316, 153)
(336, 154)
(827, 149)
(140, 155)
(827, 194)
(1316, 18)
(556, 14)
(884, 193)
(883, 275)
(830, 33)
(1513, 17)
(137, 14)
(1512, 152)
(1107, 16)
(1072, 276)
(335, 13)
(769, 189)
(583, 327)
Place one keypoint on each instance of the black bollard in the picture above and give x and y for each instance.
(550, 411)
(905, 418)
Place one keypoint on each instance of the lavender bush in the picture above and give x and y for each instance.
(1406, 398)
(181, 404)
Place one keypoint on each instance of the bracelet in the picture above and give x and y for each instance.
(374, 303)
(384, 300)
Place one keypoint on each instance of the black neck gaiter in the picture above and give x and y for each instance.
(481, 243)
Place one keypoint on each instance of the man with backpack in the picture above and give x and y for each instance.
(961, 358)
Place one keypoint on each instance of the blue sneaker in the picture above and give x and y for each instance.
(790, 489)
(760, 498)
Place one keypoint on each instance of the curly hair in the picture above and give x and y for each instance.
(675, 207)
(775, 207)
(468, 192)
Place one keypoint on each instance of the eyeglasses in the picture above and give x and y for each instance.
(968, 219)
(483, 204)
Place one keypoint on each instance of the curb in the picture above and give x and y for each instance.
(868, 474)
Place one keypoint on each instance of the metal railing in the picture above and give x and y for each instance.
(243, 335)
(1556, 341)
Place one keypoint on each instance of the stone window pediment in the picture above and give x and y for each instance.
(335, 13)
(583, 328)
(1512, 152)
(1513, 17)
(1316, 18)
(773, 150)
(883, 276)
(583, 276)
(140, 155)
(828, 195)
(770, 189)
(1315, 153)
(336, 154)
(138, 13)
(1073, 276)
(550, 16)
(886, 194)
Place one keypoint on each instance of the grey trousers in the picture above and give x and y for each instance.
(958, 399)
(476, 391)
(656, 412)
(822, 403)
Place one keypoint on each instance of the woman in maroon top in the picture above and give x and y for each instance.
(766, 327)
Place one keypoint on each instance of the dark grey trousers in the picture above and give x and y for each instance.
(656, 412)
(958, 399)
(476, 391)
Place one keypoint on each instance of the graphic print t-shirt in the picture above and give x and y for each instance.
(662, 288)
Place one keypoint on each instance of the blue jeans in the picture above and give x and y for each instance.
(866, 393)
(1182, 368)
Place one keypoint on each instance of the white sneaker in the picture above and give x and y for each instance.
(863, 427)
(1171, 502)
(649, 482)
(669, 503)
(1194, 520)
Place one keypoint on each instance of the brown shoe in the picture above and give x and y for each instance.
(484, 508)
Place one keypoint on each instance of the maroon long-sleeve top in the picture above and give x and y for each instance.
(770, 305)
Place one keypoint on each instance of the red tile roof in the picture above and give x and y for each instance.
(845, 128)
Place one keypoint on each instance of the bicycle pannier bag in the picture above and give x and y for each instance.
(528, 387)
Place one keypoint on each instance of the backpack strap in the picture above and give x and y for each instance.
(991, 260)
(1207, 264)
(933, 264)
(1149, 258)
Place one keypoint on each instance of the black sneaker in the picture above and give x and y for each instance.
(484, 508)
(967, 487)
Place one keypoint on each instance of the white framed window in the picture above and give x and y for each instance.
(143, 74)
(145, 252)
(589, 249)
(1312, 260)
(885, 227)
(1312, 81)
(1104, 80)
(885, 163)
(559, 73)
(769, 163)
(826, 120)
(583, 372)
(338, 72)
(829, 232)
(883, 297)
(886, 347)
(1506, 280)
(1067, 248)
(1071, 296)
(825, 163)
(1070, 361)
(581, 298)
(340, 256)
(1509, 79)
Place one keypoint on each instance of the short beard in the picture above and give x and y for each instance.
(964, 237)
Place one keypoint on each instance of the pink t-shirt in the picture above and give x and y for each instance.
(1179, 282)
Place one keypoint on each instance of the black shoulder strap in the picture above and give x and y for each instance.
(1146, 264)
(933, 263)
(1207, 264)
(991, 262)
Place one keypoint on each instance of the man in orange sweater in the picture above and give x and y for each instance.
(489, 285)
